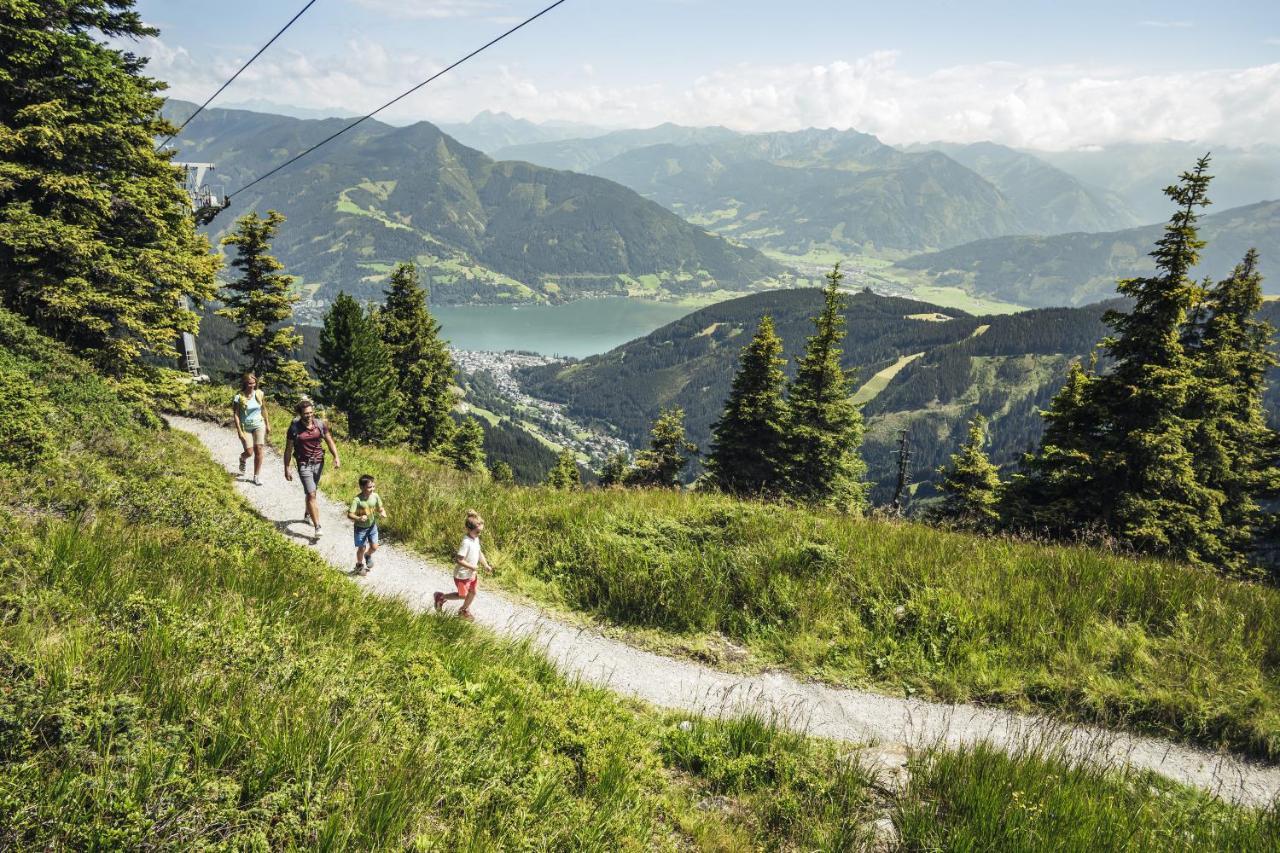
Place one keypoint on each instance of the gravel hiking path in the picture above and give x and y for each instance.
(862, 717)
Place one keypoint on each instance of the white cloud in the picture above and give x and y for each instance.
(430, 8)
(1051, 107)
(1167, 25)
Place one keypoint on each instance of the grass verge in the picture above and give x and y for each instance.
(1134, 644)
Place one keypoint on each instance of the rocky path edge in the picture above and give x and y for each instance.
(891, 723)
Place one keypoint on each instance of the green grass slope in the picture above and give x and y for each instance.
(1136, 644)
(174, 674)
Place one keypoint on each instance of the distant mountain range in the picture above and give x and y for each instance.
(1049, 200)
(1137, 172)
(490, 132)
(482, 230)
(840, 191)
(1074, 269)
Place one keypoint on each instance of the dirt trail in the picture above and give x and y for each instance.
(856, 716)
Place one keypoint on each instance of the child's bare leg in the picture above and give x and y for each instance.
(466, 605)
(360, 555)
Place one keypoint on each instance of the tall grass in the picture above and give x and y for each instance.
(1153, 646)
(174, 674)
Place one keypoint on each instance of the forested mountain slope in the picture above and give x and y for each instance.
(1074, 269)
(482, 230)
(1005, 367)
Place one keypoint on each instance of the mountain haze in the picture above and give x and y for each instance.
(1049, 200)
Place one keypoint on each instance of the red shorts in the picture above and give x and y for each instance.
(467, 586)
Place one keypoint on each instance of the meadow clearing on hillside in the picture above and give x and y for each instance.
(1129, 643)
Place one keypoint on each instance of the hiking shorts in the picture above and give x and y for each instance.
(366, 535)
(465, 586)
(309, 473)
(255, 437)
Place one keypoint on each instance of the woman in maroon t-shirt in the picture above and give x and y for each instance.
(307, 438)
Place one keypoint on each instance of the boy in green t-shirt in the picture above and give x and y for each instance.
(361, 512)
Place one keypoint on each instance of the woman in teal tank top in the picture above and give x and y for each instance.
(252, 425)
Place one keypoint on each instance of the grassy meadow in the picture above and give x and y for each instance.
(174, 674)
(1133, 644)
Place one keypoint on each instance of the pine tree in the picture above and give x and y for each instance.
(356, 373)
(97, 246)
(565, 474)
(466, 446)
(1043, 498)
(970, 484)
(424, 366)
(748, 441)
(668, 453)
(1128, 466)
(260, 303)
(1235, 450)
(614, 472)
(821, 451)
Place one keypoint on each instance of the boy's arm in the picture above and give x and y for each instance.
(462, 561)
(351, 512)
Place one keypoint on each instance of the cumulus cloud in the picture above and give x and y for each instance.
(1048, 107)
(430, 8)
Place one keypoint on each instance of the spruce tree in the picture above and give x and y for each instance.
(260, 303)
(1043, 498)
(565, 474)
(614, 472)
(97, 245)
(821, 450)
(356, 373)
(1129, 466)
(668, 454)
(466, 446)
(422, 360)
(1235, 450)
(747, 447)
(970, 484)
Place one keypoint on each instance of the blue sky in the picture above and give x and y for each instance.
(1044, 74)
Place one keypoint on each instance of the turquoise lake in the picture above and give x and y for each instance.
(578, 329)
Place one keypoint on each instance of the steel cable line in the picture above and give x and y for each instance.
(399, 97)
(231, 80)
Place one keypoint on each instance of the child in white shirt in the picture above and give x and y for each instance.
(467, 563)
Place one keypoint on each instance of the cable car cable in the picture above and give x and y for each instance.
(231, 80)
(399, 97)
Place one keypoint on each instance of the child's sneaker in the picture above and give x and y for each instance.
(368, 561)
(439, 601)
(358, 570)
(466, 614)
